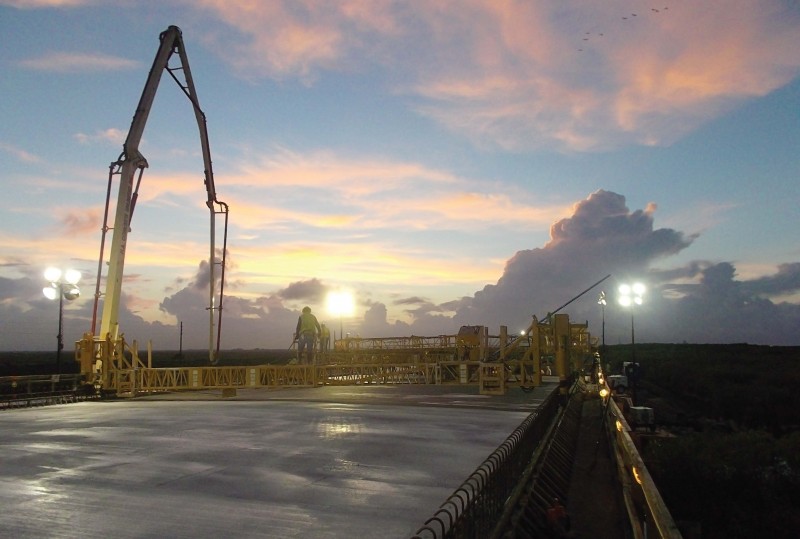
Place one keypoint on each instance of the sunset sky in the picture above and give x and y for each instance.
(448, 162)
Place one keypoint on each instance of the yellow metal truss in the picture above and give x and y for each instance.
(492, 363)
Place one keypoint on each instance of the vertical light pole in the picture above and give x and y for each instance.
(340, 304)
(602, 302)
(63, 285)
(630, 295)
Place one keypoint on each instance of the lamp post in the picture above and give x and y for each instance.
(340, 304)
(602, 302)
(63, 285)
(630, 295)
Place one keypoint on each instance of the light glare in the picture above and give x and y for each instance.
(630, 295)
(52, 274)
(340, 304)
(72, 276)
(50, 292)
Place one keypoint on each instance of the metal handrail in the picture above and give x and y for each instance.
(474, 508)
(643, 501)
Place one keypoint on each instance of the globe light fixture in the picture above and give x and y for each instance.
(63, 285)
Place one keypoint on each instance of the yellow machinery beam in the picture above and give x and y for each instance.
(482, 360)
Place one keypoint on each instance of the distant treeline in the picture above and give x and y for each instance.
(31, 363)
(751, 387)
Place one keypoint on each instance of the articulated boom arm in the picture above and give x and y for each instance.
(129, 167)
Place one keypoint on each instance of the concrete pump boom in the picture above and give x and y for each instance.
(129, 167)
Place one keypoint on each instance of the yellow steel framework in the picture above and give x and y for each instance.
(472, 357)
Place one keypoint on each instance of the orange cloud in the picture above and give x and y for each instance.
(322, 190)
(35, 4)
(516, 75)
(113, 135)
(19, 153)
(65, 62)
(372, 263)
(78, 224)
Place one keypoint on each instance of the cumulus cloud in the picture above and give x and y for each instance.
(786, 280)
(601, 237)
(718, 308)
(701, 301)
(311, 290)
(259, 322)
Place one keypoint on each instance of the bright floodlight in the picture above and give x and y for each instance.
(50, 292)
(72, 276)
(52, 274)
(62, 282)
(630, 294)
(340, 304)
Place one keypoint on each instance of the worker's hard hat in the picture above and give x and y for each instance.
(306, 309)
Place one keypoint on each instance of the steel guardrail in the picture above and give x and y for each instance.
(42, 390)
(474, 508)
(646, 509)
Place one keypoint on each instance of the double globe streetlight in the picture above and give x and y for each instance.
(63, 285)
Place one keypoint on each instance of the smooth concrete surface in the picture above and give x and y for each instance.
(356, 461)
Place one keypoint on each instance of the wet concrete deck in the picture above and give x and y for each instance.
(363, 461)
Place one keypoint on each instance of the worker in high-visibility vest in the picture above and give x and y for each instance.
(306, 332)
(324, 339)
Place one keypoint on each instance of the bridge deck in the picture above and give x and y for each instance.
(345, 461)
(594, 500)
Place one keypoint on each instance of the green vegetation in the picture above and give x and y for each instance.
(734, 465)
(739, 484)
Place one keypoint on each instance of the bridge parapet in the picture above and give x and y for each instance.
(644, 504)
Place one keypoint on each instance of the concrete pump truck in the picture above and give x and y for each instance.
(102, 352)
